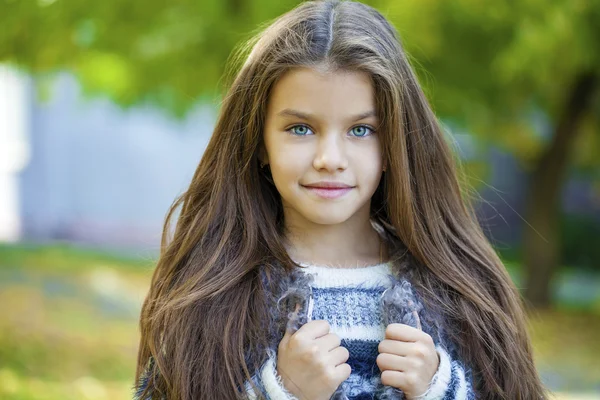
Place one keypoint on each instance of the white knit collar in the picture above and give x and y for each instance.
(367, 277)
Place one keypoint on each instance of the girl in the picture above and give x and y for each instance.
(324, 249)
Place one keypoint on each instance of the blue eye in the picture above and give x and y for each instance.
(361, 130)
(299, 132)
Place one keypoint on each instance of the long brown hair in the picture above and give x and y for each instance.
(206, 308)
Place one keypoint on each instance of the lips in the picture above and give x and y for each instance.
(329, 190)
(328, 185)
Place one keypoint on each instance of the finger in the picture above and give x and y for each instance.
(395, 347)
(416, 315)
(314, 329)
(342, 372)
(394, 378)
(339, 355)
(328, 342)
(404, 333)
(392, 362)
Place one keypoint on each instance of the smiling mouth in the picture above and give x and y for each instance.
(328, 193)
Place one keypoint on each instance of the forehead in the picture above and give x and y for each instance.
(325, 95)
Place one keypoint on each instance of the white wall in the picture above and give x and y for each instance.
(14, 149)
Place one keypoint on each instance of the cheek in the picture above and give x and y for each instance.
(289, 163)
(368, 165)
(372, 176)
(285, 169)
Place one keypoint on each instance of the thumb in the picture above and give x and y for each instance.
(290, 328)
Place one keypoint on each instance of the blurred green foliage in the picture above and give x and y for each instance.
(170, 54)
(579, 247)
(504, 69)
(581, 238)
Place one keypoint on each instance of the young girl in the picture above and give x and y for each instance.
(324, 249)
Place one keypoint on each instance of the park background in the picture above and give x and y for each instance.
(106, 108)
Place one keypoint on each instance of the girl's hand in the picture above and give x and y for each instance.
(408, 359)
(311, 362)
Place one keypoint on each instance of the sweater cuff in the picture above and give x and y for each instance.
(272, 381)
(441, 379)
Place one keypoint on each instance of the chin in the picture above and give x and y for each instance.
(327, 216)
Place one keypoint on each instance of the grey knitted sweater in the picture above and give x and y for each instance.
(358, 303)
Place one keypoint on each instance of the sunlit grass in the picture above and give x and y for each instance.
(66, 257)
(14, 386)
(68, 329)
(567, 348)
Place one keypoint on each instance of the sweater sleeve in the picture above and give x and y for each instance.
(452, 380)
(269, 382)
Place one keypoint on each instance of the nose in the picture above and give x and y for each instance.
(330, 154)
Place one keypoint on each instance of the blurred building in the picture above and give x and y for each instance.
(98, 174)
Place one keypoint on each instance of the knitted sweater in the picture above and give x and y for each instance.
(358, 303)
(351, 300)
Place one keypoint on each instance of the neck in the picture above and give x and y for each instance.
(353, 243)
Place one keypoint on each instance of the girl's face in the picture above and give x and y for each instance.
(320, 131)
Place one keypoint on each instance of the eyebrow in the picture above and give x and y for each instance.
(295, 113)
